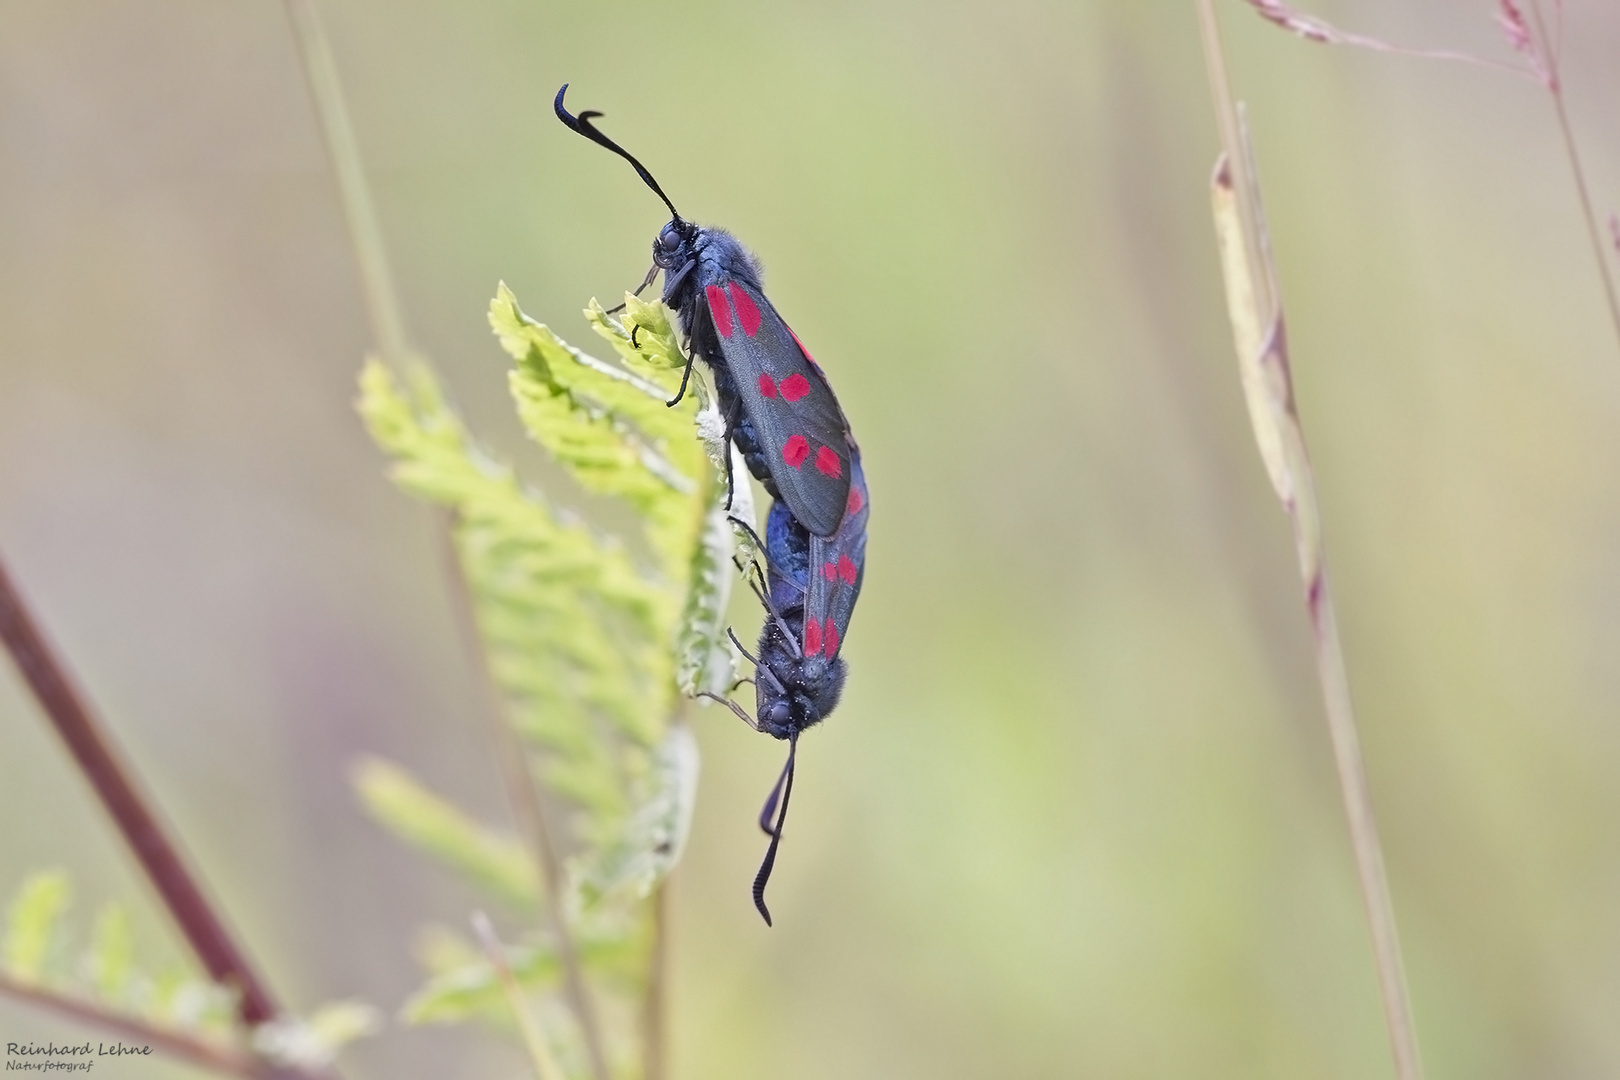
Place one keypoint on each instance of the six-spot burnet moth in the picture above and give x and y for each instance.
(782, 416)
(798, 674)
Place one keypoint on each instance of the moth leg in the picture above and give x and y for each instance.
(749, 529)
(759, 668)
(760, 547)
(776, 617)
(733, 706)
(757, 584)
(686, 373)
(648, 280)
(731, 482)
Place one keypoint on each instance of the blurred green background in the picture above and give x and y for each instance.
(1077, 815)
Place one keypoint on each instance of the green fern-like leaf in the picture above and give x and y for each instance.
(571, 624)
(418, 816)
(108, 977)
(591, 638)
(311, 1043)
(652, 842)
(33, 924)
(611, 427)
(706, 661)
(110, 963)
(470, 988)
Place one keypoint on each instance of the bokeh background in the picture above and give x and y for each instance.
(1077, 815)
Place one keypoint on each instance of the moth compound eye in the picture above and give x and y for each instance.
(669, 239)
(778, 714)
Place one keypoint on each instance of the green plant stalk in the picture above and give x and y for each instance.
(103, 766)
(524, 798)
(365, 235)
(388, 325)
(534, 1040)
(655, 1010)
(1259, 332)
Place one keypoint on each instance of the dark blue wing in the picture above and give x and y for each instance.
(837, 568)
(795, 417)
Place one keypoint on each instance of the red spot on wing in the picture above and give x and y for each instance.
(829, 571)
(767, 386)
(812, 637)
(857, 499)
(832, 639)
(747, 313)
(794, 387)
(827, 461)
(795, 450)
(802, 349)
(719, 309)
(847, 569)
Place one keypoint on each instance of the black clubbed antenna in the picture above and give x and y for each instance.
(582, 124)
(784, 787)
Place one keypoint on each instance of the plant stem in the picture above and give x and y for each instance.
(527, 806)
(1555, 88)
(655, 1010)
(1255, 305)
(376, 278)
(1363, 829)
(177, 1044)
(382, 302)
(534, 1039)
(102, 765)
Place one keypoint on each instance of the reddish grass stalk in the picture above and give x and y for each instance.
(100, 762)
(1549, 51)
(1542, 53)
(176, 1044)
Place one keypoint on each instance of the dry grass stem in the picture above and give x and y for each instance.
(365, 235)
(1314, 29)
(1547, 48)
(1255, 306)
(534, 1039)
(1541, 49)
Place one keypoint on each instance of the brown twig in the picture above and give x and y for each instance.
(102, 765)
(177, 1044)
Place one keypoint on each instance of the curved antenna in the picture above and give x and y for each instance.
(784, 787)
(582, 125)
